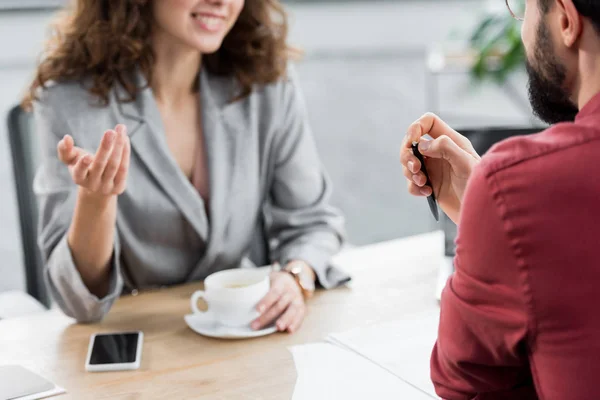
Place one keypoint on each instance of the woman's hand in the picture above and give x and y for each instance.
(449, 159)
(103, 174)
(284, 304)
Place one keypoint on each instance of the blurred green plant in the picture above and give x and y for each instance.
(497, 46)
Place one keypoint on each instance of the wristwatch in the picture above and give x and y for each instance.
(304, 280)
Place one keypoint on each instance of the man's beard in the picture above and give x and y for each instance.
(548, 98)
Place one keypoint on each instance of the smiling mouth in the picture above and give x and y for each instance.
(208, 21)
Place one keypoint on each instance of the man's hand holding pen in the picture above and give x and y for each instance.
(449, 157)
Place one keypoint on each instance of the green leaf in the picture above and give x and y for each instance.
(483, 26)
(497, 43)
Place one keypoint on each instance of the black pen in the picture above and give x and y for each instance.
(431, 199)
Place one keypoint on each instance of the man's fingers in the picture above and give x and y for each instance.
(415, 190)
(418, 178)
(430, 124)
(408, 159)
(446, 148)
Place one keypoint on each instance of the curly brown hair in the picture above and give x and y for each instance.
(106, 41)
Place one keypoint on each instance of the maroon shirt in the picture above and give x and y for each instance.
(520, 317)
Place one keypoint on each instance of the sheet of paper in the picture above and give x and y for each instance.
(328, 372)
(401, 347)
(18, 383)
(54, 392)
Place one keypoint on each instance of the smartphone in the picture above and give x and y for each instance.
(114, 351)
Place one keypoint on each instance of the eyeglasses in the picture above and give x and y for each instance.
(516, 8)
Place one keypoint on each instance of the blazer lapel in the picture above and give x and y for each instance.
(149, 144)
(224, 126)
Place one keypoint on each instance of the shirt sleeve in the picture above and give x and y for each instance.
(481, 351)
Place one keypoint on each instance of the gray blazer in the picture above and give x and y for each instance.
(269, 194)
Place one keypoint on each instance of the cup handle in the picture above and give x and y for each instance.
(199, 294)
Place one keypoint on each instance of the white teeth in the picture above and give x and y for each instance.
(210, 22)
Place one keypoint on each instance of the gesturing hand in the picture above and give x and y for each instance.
(103, 173)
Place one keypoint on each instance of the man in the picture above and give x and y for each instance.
(519, 317)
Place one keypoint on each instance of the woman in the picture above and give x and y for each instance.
(176, 144)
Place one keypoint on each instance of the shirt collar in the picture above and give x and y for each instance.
(592, 107)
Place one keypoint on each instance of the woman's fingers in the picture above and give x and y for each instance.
(105, 172)
(113, 163)
(267, 302)
(81, 169)
(297, 322)
(122, 129)
(275, 311)
(290, 317)
(66, 151)
(101, 159)
(287, 317)
(121, 177)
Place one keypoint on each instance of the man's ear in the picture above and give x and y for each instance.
(570, 22)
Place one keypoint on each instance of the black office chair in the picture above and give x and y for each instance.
(25, 157)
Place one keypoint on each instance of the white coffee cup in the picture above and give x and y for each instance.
(233, 295)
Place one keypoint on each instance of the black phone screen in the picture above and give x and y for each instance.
(114, 348)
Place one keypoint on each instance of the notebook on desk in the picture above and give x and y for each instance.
(18, 383)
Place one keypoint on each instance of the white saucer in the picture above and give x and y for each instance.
(205, 326)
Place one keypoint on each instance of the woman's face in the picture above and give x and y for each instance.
(200, 24)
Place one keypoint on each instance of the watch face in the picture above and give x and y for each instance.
(296, 270)
(305, 281)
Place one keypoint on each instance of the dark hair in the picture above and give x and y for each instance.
(105, 41)
(588, 8)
